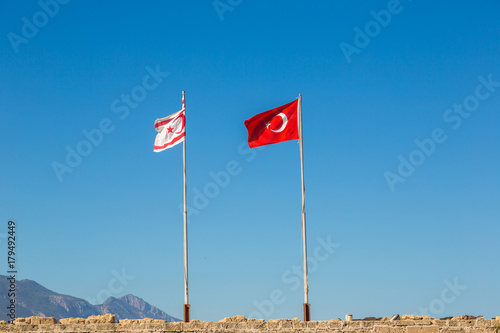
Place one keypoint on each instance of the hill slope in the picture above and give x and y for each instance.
(33, 299)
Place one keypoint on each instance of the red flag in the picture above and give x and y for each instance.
(273, 126)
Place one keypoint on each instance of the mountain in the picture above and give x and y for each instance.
(33, 299)
(132, 307)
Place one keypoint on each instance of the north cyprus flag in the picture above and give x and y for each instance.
(171, 130)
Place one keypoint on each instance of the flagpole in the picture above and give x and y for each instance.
(186, 289)
(306, 306)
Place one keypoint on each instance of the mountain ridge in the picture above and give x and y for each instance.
(33, 299)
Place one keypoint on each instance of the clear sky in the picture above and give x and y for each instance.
(401, 110)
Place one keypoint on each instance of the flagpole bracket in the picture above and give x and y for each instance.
(187, 314)
(307, 311)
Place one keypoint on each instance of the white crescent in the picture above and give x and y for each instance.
(285, 121)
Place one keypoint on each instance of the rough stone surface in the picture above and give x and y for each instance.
(41, 320)
(67, 321)
(388, 329)
(144, 321)
(412, 317)
(21, 321)
(238, 318)
(107, 318)
(407, 317)
(239, 324)
(463, 318)
(420, 329)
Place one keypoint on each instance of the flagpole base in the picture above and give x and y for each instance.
(187, 314)
(307, 311)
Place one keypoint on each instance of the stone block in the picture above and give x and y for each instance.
(468, 317)
(452, 330)
(240, 318)
(254, 320)
(403, 322)
(484, 323)
(312, 325)
(412, 317)
(42, 320)
(353, 324)
(256, 324)
(22, 321)
(287, 325)
(174, 327)
(475, 330)
(368, 323)
(273, 324)
(389, 329)
(440, 323)
(107, 318)
(67, 321)
(363, 330)
(462, 323)
(48, 321)
(228, 327)
(237, 318)
(217, 326)
(299, 325)
(196, 325)
(25, 328)
(422, 329)
(323, 325)
(104, 327)
(336, 323)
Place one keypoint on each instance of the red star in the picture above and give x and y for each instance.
(170, 129)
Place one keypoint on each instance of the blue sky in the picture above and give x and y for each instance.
(401, 144)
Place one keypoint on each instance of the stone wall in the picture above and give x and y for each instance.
(238, 324)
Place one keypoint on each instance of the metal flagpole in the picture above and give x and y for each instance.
(186, 289)
(306, 305)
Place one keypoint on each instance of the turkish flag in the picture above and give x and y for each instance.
(273, 126)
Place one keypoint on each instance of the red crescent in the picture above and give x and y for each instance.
(183, 122)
